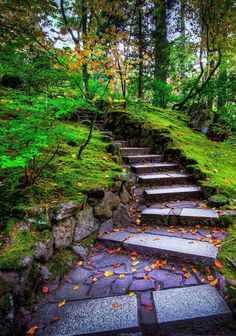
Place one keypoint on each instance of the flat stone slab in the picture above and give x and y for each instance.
(189, 303)
(115, 236)
(206, 213)
(94, 317)
(166, 175)
(178, 190)
(174, 247)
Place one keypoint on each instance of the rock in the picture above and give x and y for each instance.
(217, 201)
(106, 226)
(85, 224)
(95, 196)
(63, 232)
(109, 203)
(43, 250)
(124, 196)
(7, 314)
(27, 262)
(121, 216)
(63, 211)
(44, 272)
(80, 251)
(201, 118)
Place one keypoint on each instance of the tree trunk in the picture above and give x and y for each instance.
(140, 38)
(161, 52)
(85, 66)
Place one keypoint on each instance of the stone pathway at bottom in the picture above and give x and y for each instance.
(131, 283)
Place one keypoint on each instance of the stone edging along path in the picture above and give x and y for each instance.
(154, 277)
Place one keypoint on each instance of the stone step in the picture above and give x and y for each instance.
(143, 158)
(161, 246)
(194, 310)
(180, 216)
(121, 143)
(107, 133)
(173, 193)
(129, 151)
(100, 316)
(152, 167)
(165, 178)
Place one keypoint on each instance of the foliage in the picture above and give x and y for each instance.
(61, 263)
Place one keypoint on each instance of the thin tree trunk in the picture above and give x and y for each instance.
(85, 66)
(161, 52)
(140, 37)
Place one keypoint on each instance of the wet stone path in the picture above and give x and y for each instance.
(156, 277)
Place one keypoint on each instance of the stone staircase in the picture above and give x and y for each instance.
(162, 277)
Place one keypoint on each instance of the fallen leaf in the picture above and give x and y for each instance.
(79, 184)
(210, 278)
(80, 263)
(147, 269)
(90, 262)
(121, 276)
(108, 273)
(45, 289)
(95, 279)
(54, 320)
(213, 283)
(131, 294)
(32, 330)
(135, 263)
(138, 221)
(218, 263)
(76, 287)
(149, 308)
(61, 303)
(157, 238)
(116, 265)
(194, 270)
(133, 270)
(134, 254)
(116, 305)
(187, 275)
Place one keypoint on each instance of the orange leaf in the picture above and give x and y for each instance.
(54, 320)
(149, 308)
(45, 289)
(32, 330)
(186, 275)
(61, 303)
(134, 254)
(76, 287)
(214, 283)
(218, 264)
(116, 305)
(210, 278)
(90, 262)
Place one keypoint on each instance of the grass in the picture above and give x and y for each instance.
(216, 160)
(61, 263)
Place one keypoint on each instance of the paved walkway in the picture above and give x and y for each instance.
(156, 277)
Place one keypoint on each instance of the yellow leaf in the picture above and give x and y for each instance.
(61, 303)
(108, 273)
(138, 221)
(76, 287)
(131, 294)
(32, 330)
(122, 276)
(95, 279)
(213, 283)
(133, 270)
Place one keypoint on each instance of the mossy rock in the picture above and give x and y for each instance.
(217, 200)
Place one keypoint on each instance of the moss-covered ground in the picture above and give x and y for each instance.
(217, 160)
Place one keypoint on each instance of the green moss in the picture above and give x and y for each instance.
(89, 241)
(229, 250)
(217, 161)
(44, 235)
(220, 198)
(21, 246)
(61, 262)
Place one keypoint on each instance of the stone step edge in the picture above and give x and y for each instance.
(152, 212)
(129, 245)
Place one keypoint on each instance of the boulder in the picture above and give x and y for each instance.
(106, 226)
(63, 211)
(44, 272)
(85, 224)
(121, 216)
(124, 195)
(217, 200)
(43, 250)
(63, 232)
(80, 251)
(95, 196)
(109, 203)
